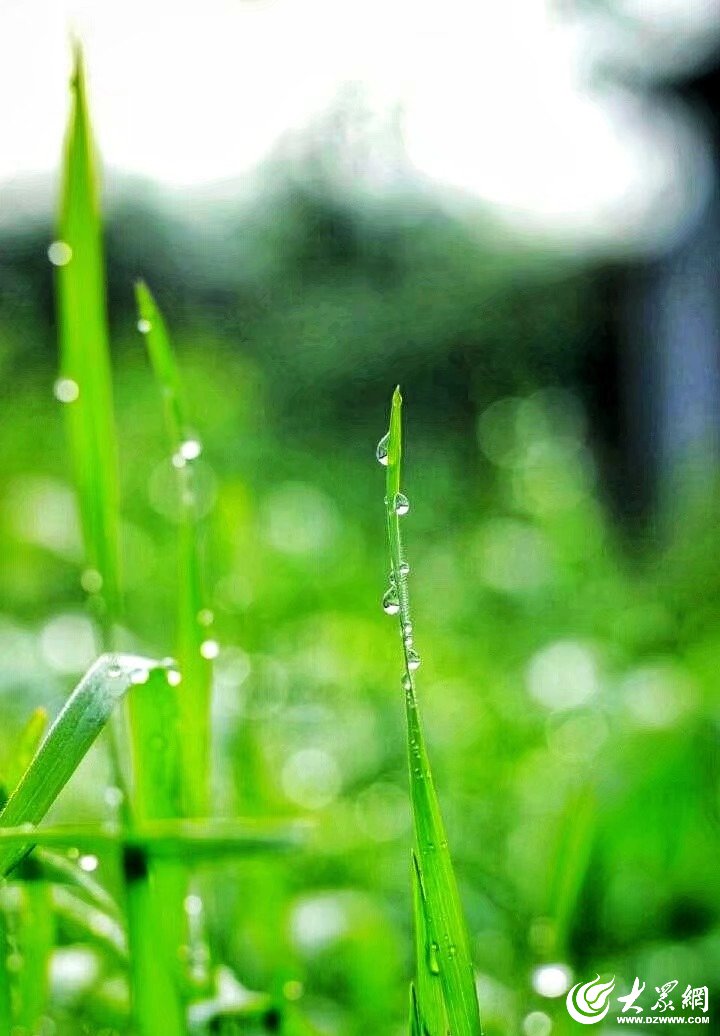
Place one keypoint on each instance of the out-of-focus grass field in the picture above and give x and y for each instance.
(569, 678)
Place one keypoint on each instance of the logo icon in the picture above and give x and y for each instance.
(589, 1002)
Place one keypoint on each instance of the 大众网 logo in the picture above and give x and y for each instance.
(589, 1002)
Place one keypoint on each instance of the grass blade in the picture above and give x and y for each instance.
(442, 915)
(84, 715)
(85, 355)
(432, 1017)
(194, 694)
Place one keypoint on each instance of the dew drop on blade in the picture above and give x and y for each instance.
(66, 390)
(404, 568)
(59, 253)
(401, 504)
(190, 449)
(390, 602)
(406, 682)
(413, 660)
(144, 326)
(382, 449)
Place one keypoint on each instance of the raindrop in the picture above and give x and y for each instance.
(401, 504)
(193, 905)
(144, 326)
(413, 660)
(209, 649)
(66, 390)
(190, 449)
(390, 602)
(113, 797)
(88, 863)
(404, 568)
(406, 682)
(205, 617)
(407, 629)
(178, 460)
(173, 677)
(91, 581)
(433, 962)
(382, 449)
(139, 676)
(59, 253)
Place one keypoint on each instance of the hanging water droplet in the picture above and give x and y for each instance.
(382, 449)
(59, 253)
(408, 640)
(413, 660)
(407, 629)
(91, 581)
(404, 568)
(401, 504)
(144, 326)
(66, 390)
(210, 649)
(173, 677)
(390, 602)
(193, 905)
(406, 682)
(190, 449)
(88, 863)
(139, 676)
(178, 461)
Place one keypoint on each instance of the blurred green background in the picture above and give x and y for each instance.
(566, 593)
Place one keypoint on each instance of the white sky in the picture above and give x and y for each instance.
(493, 96)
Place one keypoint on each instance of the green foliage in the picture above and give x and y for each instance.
(85, 355)
(443, 948)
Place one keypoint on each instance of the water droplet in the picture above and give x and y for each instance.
(139, 676)
(59, 253)
(173, 677)
(178, 461)
(114, 671)
(408, 640)
(205, 617)
(144, 326)
(390, 602)
(407, 629)
(113, 797)
(66, 390)
(88, 863)
(401, 504)
(433, 962)
(91, 581)
(209, 649)
(193, 906)
(406, 682)
(190, 449)
(404, 568)
(382, 449)
(413, 660)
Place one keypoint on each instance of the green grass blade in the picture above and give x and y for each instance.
(79, 921)
(36, 940)
(443, 913)
(166, 839)
(86, 712)
(193, 695)
(429, 1000)
(84, 352)
(5, 991)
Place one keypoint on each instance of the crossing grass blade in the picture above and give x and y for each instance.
(85, 355)
(86, 712)
(442, 919)
(193, 697)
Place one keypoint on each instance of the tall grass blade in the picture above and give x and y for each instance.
(443, 916)
(193, 696)
(84, 715)
(432, 1017)
(85, 357)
